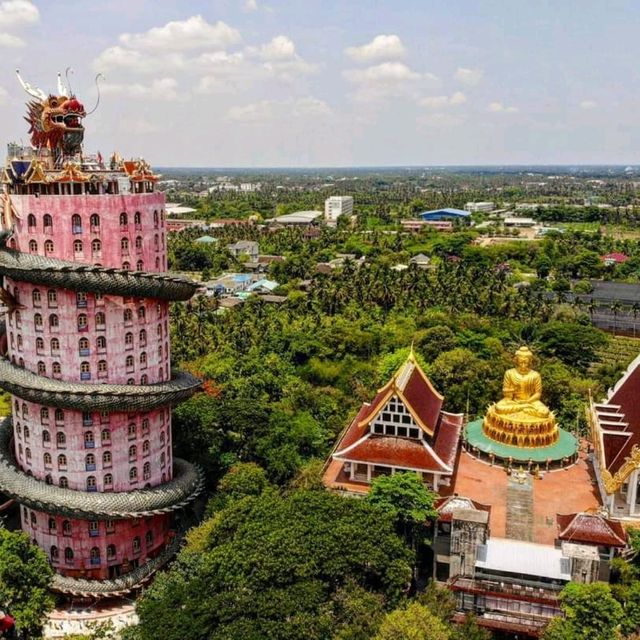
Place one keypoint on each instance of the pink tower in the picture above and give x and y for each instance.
(88, 450)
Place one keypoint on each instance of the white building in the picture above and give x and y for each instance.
(474, 207)
(336, 206)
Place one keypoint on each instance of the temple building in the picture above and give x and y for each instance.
(87, 452)
(403, 429)
(615, 433)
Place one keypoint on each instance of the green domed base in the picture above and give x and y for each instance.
(563, 451)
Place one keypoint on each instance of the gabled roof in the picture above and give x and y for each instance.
(416, 392)
(591, 528)
(448, 211)
(618, 422)
(446, 506)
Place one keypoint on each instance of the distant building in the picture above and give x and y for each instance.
(248, 248)
(417, 225)
(179, 210)
(299, 218)
(519, 222)
(403, 429)
(611, 259)
(206, 240)
(263, 286)
(337, 206)
(455, 215)
(250, 187)
(480, 206)
(180, 225)
(420, 260)
(230, 284)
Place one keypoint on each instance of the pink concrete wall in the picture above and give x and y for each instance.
(82, 536)
(92, 338)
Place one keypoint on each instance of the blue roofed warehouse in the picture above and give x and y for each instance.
(459, 215)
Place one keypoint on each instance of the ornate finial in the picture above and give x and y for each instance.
(412, 353)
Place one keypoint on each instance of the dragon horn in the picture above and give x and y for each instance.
(62, 91)
(36, 93)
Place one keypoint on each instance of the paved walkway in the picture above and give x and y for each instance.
(78, 620)
(520, 508)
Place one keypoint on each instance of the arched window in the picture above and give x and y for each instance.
(48, 246)
(143, 337)
(162, 459)
(128, 340)
(129, 363)
(91, 483)
(31, 221)
(100, 319)
(47, 459)
(145, 426)
(27, 453)
(133, 452)
(88, 439)
(62, 462)
(26, 433)
(18, 428)
(52, 525)
(90, 462)
(144, 379)
(47, 221)
(143, 359)
(66, 528)
(106, 459)
(82, 322)
(94, 555)
(34, 519)
(83, 346)
(36, 297)
(108, 480)
(136, 545)
(124, 245)
(155, 218)
(63, 482)
(33, 246)
(146, 447)
(138, 242)
(18, 317)
(68, 555)
(101, 344)
(124, 221)
(39, 345)
(56, 369)
(102, 368)
(139, 265)
(44, 415)
(146, 471)
(85, 371)
(94, 221)
(42, 369)
(157, 262)
(48, 479)
(128, 315)
(59, 417)
(111, 552)
(159, 331)
(77, 246)
(76, 223)
(46, 437)
(137, 219)
(52, 298)
(96, 246)
(132, 431)
(54, 322)
(133, 474)
(19, 338)
(126, 265)
(141, 313)
(105, 436)
(55, 346)
(25, 410)
(53, 553)
(148, 538)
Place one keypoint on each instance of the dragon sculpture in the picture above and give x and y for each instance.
(55, 121)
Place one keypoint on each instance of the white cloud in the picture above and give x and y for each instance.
(438, 102)
(4, 95)
(163, 89)
(467, 76)
(269, 110)
(250, 6)
(120, 58)
(382, 47)
(588, 104)
(498, 107)
(280, 48)
(181, 35)
(11, 41)
(441, 120)
(281, 59)
(18, 12)
(387, 72)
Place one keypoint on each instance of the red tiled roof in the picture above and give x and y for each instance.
(447, 437)
(590, 528)
(423, 399)
(625, 395)
(615, 256)
(395, 452)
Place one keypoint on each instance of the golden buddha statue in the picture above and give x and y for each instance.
(521, 418)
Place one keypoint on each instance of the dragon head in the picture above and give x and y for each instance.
(55, 121)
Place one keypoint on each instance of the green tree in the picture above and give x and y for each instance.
(413, 622)
(25, 576)
(591, 613)
(273, 566)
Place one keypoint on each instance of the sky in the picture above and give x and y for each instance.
(277, 83)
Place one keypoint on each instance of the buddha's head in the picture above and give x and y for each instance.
(523, 359)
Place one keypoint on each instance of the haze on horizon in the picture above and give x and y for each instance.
(270, 83)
